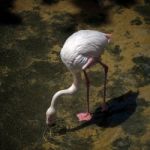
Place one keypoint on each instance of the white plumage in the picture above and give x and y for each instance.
(80, 51)
(82, 45)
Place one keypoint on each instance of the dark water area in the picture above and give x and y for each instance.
(32, 33)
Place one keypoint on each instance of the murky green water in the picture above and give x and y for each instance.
(31, 72)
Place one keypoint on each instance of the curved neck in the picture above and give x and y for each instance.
(71, 90)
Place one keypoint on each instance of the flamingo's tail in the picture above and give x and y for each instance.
(109, 37)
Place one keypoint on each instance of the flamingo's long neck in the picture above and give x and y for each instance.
(72, 89)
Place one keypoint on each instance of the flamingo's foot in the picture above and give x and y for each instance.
(84, 116)
(104, 107)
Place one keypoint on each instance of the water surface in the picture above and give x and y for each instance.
(32, 33)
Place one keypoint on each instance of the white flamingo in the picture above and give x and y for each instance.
(80, 51)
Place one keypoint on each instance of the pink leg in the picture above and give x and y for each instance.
(87, 87)
(86, 116)
(104, 106)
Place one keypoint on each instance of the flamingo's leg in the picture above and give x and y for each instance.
(87, 87)
(104, 106)
(86, 116)
(91, 61)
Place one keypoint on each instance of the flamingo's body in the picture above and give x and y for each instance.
(80, 51)
(80, 46)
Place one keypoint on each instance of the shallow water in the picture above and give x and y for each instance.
(32, 33)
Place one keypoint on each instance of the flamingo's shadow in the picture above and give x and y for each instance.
(120, 109)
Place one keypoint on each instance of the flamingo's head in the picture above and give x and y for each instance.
(50, 116)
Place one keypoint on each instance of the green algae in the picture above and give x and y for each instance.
(115, 50)
(16, 52)
(29, 77)
(29, 86)
(33, 18)
(62, 25)
(119, 10)
(122, 143)
(136, 21)
(10, 57)
(93, 19)
(74, 143)
(147, 20)
(141, 60)
(143, 9)
(50, 1)
(147, 1)
(136, 123)
(141, 70)
(22, 93)
(117, 88)
(96, 77)
(38, 43)
(137, 44)
(128, 35)
(146, 146)
(118, 85)
(36, 47)
(69, 141)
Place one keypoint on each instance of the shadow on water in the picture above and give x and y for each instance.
(7, 17)
(97, 12)
(91, 12)
(126, 3)
(49, 2)
(120, 109)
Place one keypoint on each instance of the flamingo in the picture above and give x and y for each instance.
(80, 51)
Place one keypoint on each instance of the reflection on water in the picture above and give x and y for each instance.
(31, 36)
